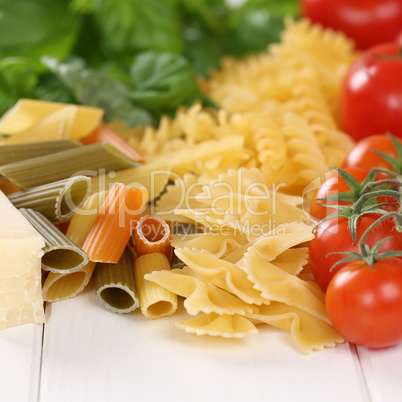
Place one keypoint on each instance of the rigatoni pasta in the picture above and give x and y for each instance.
(115, 284)
(115, 223)
(21, 151)
(152, 235)
(61, 286)
(57, 201)
(61, 255)
(87, 160)
(155, 301)
(103, 133)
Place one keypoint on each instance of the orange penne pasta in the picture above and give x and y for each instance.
(115, 223)
(152, 235)
(103, 133)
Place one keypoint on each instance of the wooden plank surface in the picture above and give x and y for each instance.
(382, 370)
(91, 354)
(20, 359)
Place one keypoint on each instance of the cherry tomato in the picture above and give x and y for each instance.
(371, 94)
(365, 304)
(363, 154)
(333, 235)
(336, 184)
(367, 22)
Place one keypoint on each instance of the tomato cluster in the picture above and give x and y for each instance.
(354, 256)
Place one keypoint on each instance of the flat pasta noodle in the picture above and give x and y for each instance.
(115, 223)
(222, 274)
(155, 301)
(309, 332)
(200, 295)
(32, 120)
(227, 326)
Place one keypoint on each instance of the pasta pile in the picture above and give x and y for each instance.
(278, 113)
(223, 189)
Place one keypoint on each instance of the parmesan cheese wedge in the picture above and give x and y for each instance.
(21, 246)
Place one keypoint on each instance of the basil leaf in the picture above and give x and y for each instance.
(96, 88)
(163, 81)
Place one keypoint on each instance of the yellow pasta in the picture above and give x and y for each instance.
(155, 301)
(308, 332)
(58, 286)
(227, 326)
(34, 120)
(200, 295)
(222, 274)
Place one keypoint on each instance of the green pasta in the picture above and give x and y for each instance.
(88, 160)
(61, 255)
(57, 201)
(18, 152)
(115, 284)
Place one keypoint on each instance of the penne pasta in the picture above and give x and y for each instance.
(57, 201)
(152, 235)
(154, 177)
(88, 160)
(18, 152)
(103, 133)
(155, 301)
(60, 253)
(115, 284)
(115, 223)
(60, 286)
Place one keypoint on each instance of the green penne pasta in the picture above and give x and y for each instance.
(115, 284)
(61, 255)
(88, 160)
(57, 201)
(18, 152)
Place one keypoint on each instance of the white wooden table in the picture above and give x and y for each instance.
(85, 353)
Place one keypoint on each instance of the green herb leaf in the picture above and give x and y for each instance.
(96, 88)
(163, 81)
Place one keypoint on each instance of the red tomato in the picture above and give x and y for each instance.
(367, 22)
(371, 94)
(336, 184)
(333, 235)
(362, 154)
(365, 305)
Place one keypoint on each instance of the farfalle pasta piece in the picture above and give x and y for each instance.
(227, 326)
(201, 296)
(218, 244)
(242, 201)
(180, 194)
(222, 274)
(278, 285)
(309, 332)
